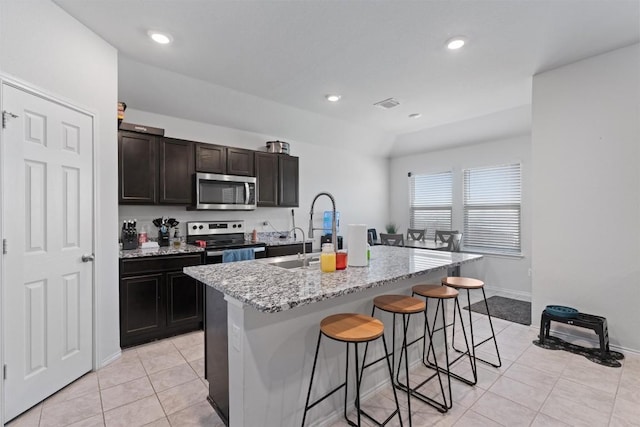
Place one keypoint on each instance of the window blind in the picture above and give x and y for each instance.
(492, 199)
(430, 198)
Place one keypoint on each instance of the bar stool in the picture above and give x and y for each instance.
(406, 306)
(468, 284)
(441, 294)
(351, 328)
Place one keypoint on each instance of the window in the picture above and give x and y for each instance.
(491, 200)
(430, 202)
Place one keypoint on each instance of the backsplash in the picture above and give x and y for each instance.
(279, 219)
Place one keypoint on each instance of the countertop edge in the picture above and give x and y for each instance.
(310, 300)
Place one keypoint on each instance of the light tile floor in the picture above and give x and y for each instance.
(162, 384)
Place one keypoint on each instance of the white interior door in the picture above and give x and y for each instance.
(48, 224)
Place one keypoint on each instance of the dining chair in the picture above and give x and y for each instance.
(392, 239)
(372, 236)
(416, 233)
(446, 236)
(454, 242)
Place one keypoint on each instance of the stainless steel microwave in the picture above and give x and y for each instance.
(225, 192)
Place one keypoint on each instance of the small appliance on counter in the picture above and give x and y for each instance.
(164, 226)
(280, 147)
(129, 235)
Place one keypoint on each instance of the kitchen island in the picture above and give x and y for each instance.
(272, 322)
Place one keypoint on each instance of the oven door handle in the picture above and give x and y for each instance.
(218, 253)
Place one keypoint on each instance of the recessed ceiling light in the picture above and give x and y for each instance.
(456, 43)
(415, 116)
(333, 98)
(160, 38)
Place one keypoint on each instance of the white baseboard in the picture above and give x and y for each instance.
(112, 358)
(508, 293)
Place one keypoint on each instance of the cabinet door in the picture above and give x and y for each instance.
(142, 314)
(176, 171)
(211, 158)
(288, 190)
(137, 168)
(240, 162)
(267, 178)
(184, 300)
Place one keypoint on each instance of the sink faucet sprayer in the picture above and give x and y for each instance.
(334, 238)
(304, 246)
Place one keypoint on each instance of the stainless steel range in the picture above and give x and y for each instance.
(220, 236)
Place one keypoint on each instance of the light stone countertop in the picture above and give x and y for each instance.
(162, 250)
(272, 289)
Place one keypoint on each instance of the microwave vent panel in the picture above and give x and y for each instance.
(387, 103)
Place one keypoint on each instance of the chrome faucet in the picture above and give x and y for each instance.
(334, 238)
(304, 246)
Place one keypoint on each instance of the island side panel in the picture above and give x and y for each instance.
(216, 352)
(276, 353)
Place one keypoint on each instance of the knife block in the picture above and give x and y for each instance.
(129, 239)
(163, 238)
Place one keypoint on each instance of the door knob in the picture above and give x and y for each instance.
(88, 257)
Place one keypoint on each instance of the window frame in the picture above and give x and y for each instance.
(505, 243)
(434, 208)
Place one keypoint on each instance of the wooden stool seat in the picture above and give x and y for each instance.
(435, 291)
(401, 304)
(351, 327)
(463, 282)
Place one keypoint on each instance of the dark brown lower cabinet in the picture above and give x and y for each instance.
(157, 300)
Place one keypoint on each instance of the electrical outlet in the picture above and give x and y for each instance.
(265, 222)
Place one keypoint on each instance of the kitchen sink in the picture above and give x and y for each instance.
(292, 261)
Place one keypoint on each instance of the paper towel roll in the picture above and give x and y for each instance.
(357, 245)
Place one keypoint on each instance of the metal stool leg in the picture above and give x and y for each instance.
(468, 352)
(359, 374)
(492, 337)
(308, 406)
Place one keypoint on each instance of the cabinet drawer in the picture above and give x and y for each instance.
(154, 264)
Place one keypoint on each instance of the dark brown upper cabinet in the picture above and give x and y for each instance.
(240, 162)
(288, 176)
(277, 176)
(267, 178)
(153, 169)
(137, 168)
(212, 158)
(176, 171)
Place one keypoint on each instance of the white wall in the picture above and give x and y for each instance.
(359, 183)
(586, 158)
(46, 48)
(507, 275)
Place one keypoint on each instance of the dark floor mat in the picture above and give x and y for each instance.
(593, 354)
(509, 309)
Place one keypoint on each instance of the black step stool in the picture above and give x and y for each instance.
(583, 320)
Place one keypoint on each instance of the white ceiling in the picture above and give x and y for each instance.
(294, 52)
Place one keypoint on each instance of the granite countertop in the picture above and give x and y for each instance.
(162, 250)
(276, 241)
(268, 288)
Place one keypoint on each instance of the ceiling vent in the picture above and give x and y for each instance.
(387, 103)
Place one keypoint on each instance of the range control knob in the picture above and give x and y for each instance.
(195, 227)
(201, 227)
(239, 225)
